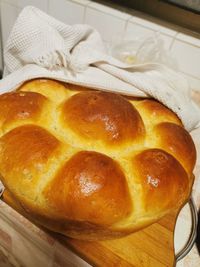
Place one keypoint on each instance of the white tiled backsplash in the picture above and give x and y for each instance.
(111, 22)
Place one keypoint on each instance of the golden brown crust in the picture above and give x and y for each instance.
(20, 106)
(103, 116)
(90, 164)
(177, 141)
(163, 179)
(154, 112)
(90, 187)
(53, 90)
(24, 154)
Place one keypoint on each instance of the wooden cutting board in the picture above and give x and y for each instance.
(150, 247)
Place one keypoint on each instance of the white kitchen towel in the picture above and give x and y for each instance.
(41, 46)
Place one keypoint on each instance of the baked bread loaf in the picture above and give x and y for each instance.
(92, 164)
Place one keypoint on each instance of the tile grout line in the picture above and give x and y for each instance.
(174, 37)
(188, 43)
(173, 41)
(89, 4)
(155, 30)
(107, 13)
(78, 2)
(126, 21)
(126, 24)
(85, 10)
(145, 26)
(48, 5)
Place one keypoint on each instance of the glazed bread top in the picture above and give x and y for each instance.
(74, 157)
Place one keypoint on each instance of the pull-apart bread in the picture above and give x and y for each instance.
(92, 164)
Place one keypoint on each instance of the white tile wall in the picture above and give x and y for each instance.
(137, 31)
(194, 41)
(188, 57)
(67, 11)
(153, 25)
(109, 10)
(42, 4)
(143, 28)
(9, 14)
(111, 24)
(81, 2)
(10, 9)
(193, 82)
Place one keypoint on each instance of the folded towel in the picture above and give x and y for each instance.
(41, 46)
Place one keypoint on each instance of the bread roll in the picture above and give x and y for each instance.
(92, 164)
